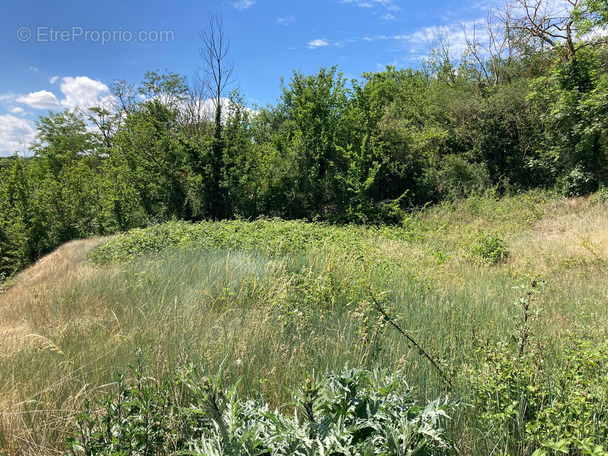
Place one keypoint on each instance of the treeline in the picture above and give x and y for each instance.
(520, 116)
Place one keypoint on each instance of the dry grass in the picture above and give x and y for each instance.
(67, 327)
(575, 240)
(33, 288)
(23, 308)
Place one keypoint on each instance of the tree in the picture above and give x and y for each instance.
(573, 143)
(63, 138)
(566, 26)
(597, 13)
(217, 69)
(168, 88)
(315, 108)
(149, 156)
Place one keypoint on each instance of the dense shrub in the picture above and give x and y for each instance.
(490, 249)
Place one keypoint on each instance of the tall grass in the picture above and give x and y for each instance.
(275, 302)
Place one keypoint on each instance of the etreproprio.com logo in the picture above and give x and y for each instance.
(44, 34)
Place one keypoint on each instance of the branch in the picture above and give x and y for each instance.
(408, 337)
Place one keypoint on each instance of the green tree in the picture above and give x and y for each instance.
(571, 102)
(314, 108)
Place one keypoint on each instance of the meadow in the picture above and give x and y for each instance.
(507, 297)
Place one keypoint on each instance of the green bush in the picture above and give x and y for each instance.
(458, 178)
(269, 236)
(527, 404)
(537, 404)
(578, 182)
(601, 196)
(490, 249)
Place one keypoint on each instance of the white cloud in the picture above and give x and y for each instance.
(15, 134)
(453, 37)
(39, 100)
(371, 39)
(317, 43)
(388, 4)
(388, 17)
(243, 4)
(82, 92)
(7, 97)
(17, 110)
(287, 20)
(34, 69)
(205, 109)
(54, 79)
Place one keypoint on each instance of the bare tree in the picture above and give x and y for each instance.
(197, 113)
(555, 23)
(217, 68)
(490, 48)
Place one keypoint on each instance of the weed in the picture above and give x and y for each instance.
(352, 412)
(490, 249)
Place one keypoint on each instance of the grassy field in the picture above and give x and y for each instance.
(507, 296)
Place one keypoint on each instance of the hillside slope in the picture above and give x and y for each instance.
(273, 301)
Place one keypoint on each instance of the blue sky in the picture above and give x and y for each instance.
(64, 54)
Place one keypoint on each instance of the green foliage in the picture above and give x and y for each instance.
(277, 299)
(135, 419)
(353, 412)
(490, 249)
(267, 236)
(572, 143)
(601, 196)
(540, 405)
(537, 403)
(459, 178)
(363, 151)
(369, 152)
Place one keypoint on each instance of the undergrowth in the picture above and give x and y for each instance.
(271, 301)
(353, 412)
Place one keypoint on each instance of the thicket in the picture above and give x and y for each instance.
(361, 151)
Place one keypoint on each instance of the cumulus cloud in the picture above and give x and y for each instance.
(317, 43)
(17, 110)
(34, 69)
(15, 134)
(78, 92)
(82, 92)
(39, 100)
(243, 4)
(287, 20)
(205, 109)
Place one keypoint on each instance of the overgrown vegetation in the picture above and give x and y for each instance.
(353, 412)
(261, 306)
(526, 110)
(386, 224)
